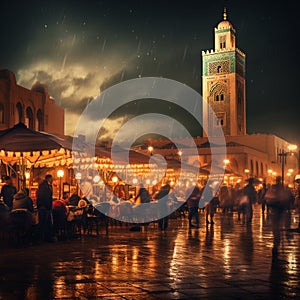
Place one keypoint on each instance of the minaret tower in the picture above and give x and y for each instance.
(224, 84)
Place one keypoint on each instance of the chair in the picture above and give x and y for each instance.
(20, 225)
(100, 211)
(75, 221)
(59, 223)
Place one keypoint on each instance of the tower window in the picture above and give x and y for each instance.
(222, 97)
(220, 121)
(216, 97)
(219, 69)
(222, 42)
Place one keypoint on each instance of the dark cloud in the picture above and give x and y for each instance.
(80, 47)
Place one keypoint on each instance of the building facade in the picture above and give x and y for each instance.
(34, 107)
(224, 84)
(262, 156)
(224, 89)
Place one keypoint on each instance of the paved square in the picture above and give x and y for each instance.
(226, 260)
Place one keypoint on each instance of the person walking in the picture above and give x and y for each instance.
(278, 198)
(143, 195)
(163, 198)
(44, 206)
(193, 196)
(261, 197)
(250, 192)
(8, 191)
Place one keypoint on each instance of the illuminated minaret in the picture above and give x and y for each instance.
(224, 84)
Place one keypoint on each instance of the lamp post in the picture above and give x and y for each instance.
(283, 154)
(150, 149)
(60, 175)
(78, 178)
(247, 171)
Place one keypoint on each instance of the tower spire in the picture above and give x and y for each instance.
(225, 14)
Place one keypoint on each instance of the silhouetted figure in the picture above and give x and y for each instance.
(210, 209)
(8, 191)
(74, 199)
(163, 198)
(261, 197)
(143, 195)
(278, 198)
(225, 197)
(44, 205)
(193, 196)
(250, 192)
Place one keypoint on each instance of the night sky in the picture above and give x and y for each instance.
(78, 48)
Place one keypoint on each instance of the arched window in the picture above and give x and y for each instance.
(29, 122)
(218, 92)
(19, 114)
(251, 167)
(1, 113)
(39, 118)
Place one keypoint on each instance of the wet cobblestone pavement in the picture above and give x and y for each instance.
(226, 260)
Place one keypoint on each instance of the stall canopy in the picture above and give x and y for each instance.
(34, 146)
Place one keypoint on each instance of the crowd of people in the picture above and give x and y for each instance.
(48, 213)
(275, 199)
(38, 221)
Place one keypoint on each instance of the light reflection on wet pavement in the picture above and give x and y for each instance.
(222, 261)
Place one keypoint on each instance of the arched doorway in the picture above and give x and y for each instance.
(29, 121)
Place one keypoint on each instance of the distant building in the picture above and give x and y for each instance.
(34, 107)
(224, 89)
(260, 155)
(224, 83)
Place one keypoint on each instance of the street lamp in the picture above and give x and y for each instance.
(247, 171)
(60, 175)
(78, 178)
(226, 162)
(283, 154)
(150, 149)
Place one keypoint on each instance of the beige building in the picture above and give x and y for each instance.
(224, 89)
(262, 156)
(34, 107)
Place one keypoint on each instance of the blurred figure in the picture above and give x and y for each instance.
(210, 201)
(74, 199)
(163, 198)
(22, 213)
(210, 209)
(60, 213)
(143, 195)
(23, 201)
(261, 197)
(225, 197)
(44, 205)
(278, 198)
(250, 192)
(86, 188)
(193, 195)
(8, 191)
